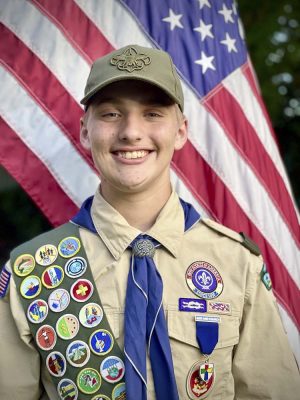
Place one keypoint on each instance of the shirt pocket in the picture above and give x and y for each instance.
(115, 318)
(186, 352)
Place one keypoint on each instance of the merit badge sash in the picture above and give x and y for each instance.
(66, 317)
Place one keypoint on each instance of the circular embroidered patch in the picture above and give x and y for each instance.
(46, 255)
(59, 300)
(37, 311)
(90, 315)
(88, 380)
(52, 276)
(67, 390)
(75, 267)
(82, 290)
(119, 392)
(24, 265)
(56, 364)
(78, 353)
(45, 337)
(100, 397)
(31, 287)
(67, 326)
(69, 246)
(112, 369)
(200, 380)
(204, 280)
(101, 342)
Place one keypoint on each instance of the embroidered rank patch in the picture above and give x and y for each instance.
(204, 280)
(192, 305)
(200, 380)
(4, 281)
(265, 277)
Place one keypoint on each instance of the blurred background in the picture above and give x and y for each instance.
(272, 31)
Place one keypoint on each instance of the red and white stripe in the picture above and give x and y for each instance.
(230, 169)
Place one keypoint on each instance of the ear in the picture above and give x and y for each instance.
(84, 134)
(182, 133)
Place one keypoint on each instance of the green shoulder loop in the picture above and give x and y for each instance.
(243, 239)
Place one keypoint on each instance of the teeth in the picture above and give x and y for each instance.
(132, 154)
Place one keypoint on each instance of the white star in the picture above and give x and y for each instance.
(203, 3)
(205, 30)
(230, 43)
(226, 14)
(173, 19)
(205, 62)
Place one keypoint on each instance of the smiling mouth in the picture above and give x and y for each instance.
(129, 155)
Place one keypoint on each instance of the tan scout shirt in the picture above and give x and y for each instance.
(252, 359)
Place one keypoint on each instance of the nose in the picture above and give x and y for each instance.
(131, 129)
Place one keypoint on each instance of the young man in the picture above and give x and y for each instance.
(139, 295)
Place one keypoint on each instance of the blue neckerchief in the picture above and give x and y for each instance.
(84, 219)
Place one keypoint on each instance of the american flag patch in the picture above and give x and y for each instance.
(4, 281)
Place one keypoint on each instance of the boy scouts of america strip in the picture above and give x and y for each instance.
(4, 281)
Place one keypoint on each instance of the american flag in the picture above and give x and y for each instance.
(230, 169)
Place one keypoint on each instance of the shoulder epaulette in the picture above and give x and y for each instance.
(238, 237)
(250, 244)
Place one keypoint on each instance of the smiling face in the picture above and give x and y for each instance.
(132, 129)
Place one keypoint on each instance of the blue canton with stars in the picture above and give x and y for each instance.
(204, 37)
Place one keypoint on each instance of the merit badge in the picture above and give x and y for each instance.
(56, 364)
(78, 353)
(119, 392)
(88, 380)
(82, 290)
(30, 287)
(204, 280)
(52, 276)
(100, 397)
(75, 267)
(24, 265)
(101, 342)
(195, 305)
(67, 326)
(265, 277)
(218, 307)
(46, 255)
(37, 311)
(90, 315)
(59, 300)
(67, 390)
(68, 247)
(112, 369)
(45, 337)
(200, 380)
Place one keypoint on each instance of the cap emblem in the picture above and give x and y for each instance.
(130, 60)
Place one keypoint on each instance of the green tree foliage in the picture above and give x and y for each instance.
(273, 38)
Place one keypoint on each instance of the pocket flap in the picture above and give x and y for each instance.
(182, 327)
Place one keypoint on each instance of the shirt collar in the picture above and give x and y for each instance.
(117, 234)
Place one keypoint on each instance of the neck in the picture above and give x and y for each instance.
(139, 209)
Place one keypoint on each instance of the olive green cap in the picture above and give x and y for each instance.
(135, 62)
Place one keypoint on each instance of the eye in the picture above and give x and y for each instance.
(153, 114)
